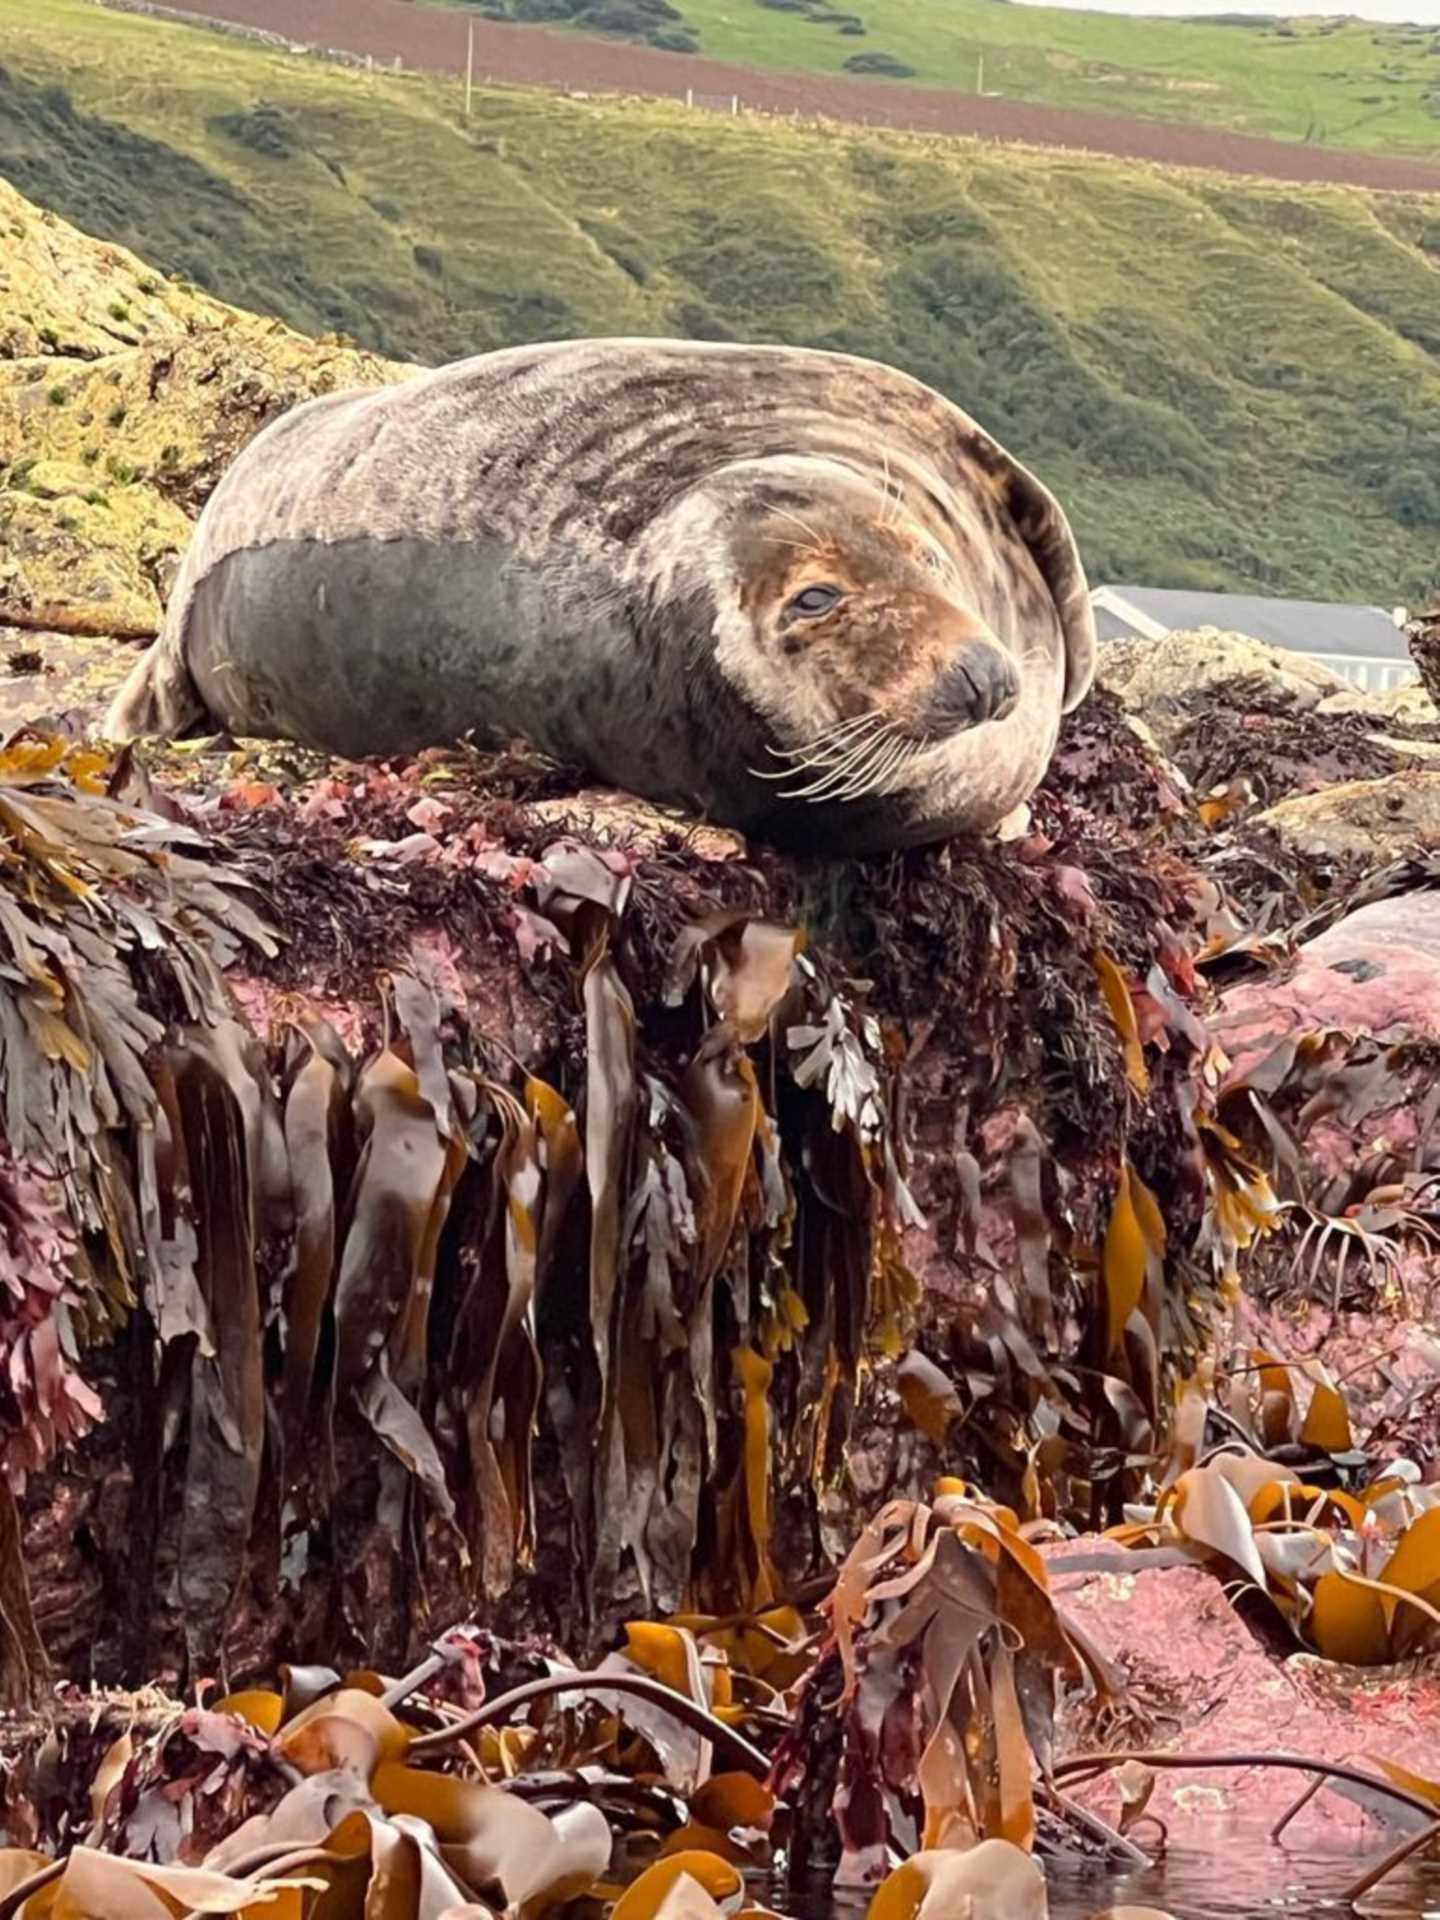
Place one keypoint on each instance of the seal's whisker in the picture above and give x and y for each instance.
(896, 772)
(884, 522)
(855, 773)
(835, 757)
(860, 782)
(893, 751)
(830, 776)
(816, 539)
(843, 769)
(834, 739)
(840, 739)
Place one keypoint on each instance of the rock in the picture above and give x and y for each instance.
(1199, 1668)
(82, 563)
(1370, 985)
(1421, 750)
(1409, 705)
(123, 397)
(1376, 972)
(1423, 634)
(1371, 819)
(45, 673)
(1164, 679)
(57, 480)
(1353, 700)
(64, 295)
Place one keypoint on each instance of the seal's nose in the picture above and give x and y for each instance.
(981, 683)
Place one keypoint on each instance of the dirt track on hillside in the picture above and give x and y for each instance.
(433, 38)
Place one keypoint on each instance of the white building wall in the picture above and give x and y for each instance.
(1374, 676)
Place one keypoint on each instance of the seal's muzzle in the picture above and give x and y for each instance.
(983, 684)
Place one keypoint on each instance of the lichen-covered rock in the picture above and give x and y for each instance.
(1408, 705)
(64, 294)
(87, 562)
(1165, 679)
(123, 397)
(1369, 819)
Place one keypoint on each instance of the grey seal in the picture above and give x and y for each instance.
(797, 592)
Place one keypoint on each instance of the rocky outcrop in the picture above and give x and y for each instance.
(1165, 679)
(1409, 705)
(1374, 820)
(1423, 634)
(123, 396)
(1278, 740)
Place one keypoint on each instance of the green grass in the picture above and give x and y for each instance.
(1345, 83)
(1229, 384)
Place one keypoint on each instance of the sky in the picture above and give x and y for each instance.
(1425, 12)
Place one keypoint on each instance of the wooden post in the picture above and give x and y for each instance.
(469, 64)
(689, 96)
(980, 76)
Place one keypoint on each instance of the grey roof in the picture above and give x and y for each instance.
(1305, 626)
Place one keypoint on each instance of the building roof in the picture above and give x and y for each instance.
(1304, 626)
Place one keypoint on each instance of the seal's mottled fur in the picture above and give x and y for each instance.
(598, 545)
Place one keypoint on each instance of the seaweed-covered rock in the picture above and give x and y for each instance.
(1166, 680)
(757, 1127)
(1424, 637)
(479, 1192)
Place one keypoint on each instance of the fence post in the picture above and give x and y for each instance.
(734, 104)
(690, 96)
(469, 65)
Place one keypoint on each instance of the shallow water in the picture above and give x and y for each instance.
(1240, 1875)
(1243, 1873)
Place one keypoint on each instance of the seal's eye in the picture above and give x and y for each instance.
(812, 602)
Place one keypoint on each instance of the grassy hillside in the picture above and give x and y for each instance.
(1228, 384)
(1336, 82)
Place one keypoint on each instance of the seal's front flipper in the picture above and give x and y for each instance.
(158, 698)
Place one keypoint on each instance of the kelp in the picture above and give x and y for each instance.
(930, 1708)
(101, 902)
(448, 1308)
(459, 1316)
(329, 1797)
(1341, 1542)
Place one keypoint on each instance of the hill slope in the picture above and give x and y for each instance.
(1228, 384)
(1333, 81)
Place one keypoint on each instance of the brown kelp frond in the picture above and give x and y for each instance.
(1344, 1544)
(910, 1731)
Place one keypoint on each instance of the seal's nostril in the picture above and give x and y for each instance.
(981, 685)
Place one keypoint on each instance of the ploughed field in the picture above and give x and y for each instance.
(434, 38)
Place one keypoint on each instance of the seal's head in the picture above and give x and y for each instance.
(908, 647)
